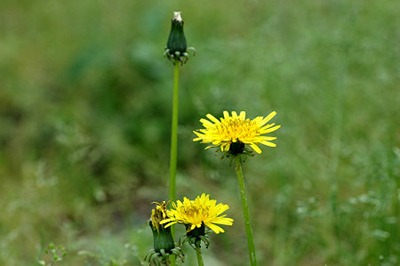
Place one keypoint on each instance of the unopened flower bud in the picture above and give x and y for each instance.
(177, 50)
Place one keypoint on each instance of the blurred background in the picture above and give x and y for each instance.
(85, 112)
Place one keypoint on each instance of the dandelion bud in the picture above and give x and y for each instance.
(164, 245)
(162, 236)
(176, 50)
(162, 239)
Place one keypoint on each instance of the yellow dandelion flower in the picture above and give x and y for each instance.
(198, 212)
(232, 132)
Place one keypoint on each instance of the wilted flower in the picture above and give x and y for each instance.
(164, 245)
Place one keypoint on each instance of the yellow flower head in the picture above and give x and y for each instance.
(232, 132)
(195, 213)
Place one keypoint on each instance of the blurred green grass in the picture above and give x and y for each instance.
(85, 103)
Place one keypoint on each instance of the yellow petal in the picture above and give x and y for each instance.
(212, 118)
(255, 148)
(242, 115)
(269, 117)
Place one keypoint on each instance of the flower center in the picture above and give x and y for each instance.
(236, 129)
(194, 211)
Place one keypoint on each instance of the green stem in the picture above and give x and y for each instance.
(173, 259)
(198, 253)
(174, 135)
(246, 213)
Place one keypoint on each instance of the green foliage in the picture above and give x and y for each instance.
(53, 254)
(85, 112)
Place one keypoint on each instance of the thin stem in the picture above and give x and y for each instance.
(174, 135)
(246, 213)
(172, 260)
(198, 253)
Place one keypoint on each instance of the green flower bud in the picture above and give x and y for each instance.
(162, 236)
(162, 239)
(164, 245)
(177, 50)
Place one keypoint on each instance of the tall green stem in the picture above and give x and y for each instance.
(246, 213)
(198, 253)
(174, 135)
(174, 141)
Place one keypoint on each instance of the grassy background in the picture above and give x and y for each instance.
(85, 103)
